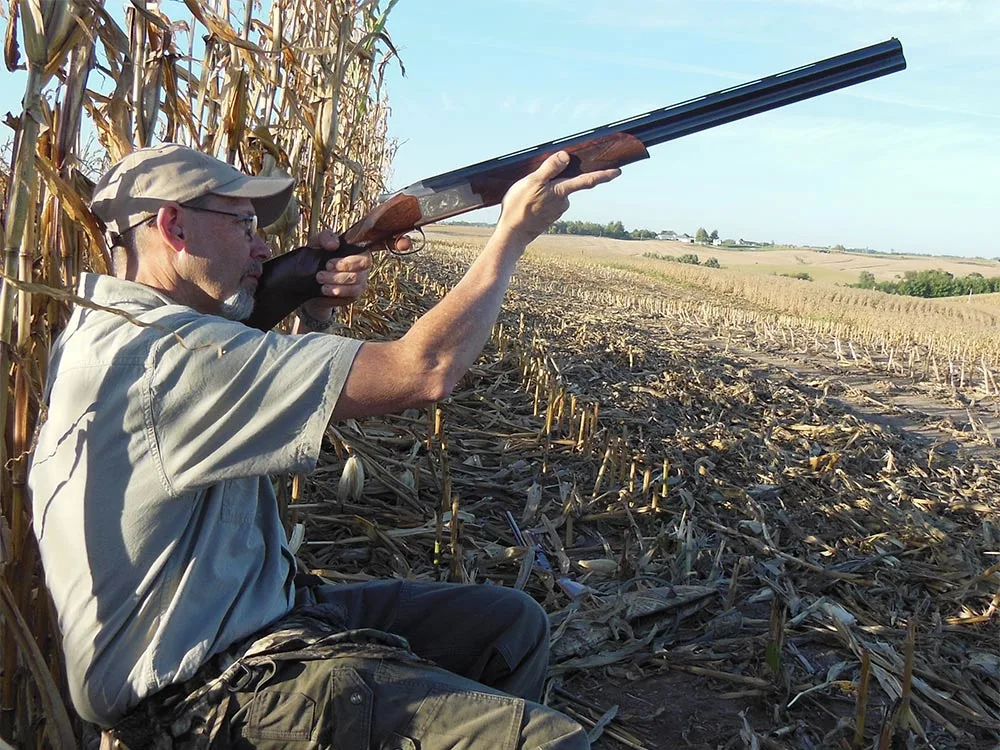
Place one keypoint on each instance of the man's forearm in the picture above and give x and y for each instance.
(452, 334)
(424, 365)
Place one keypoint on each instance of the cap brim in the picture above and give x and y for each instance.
(269, 195)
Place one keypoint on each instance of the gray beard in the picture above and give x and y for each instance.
(237, 306)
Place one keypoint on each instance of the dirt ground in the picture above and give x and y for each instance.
(672, 710)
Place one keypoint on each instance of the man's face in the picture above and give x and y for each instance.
(225, 256)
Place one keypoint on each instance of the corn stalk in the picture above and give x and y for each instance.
(249, 93)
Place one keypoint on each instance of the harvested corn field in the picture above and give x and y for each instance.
(760, 566)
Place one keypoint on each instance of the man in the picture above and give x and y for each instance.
(181, 616)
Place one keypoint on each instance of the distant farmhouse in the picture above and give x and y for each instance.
(670, 235)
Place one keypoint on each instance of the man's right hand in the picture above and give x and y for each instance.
(534, 202)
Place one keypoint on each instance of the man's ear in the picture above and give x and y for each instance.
(170, 225)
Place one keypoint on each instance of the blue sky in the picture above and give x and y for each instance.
(907, 162)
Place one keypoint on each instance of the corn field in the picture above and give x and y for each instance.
(835, 580)
(296, 88)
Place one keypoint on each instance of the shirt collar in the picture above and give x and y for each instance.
(111, 291)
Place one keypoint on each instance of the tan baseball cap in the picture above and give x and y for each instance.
(135, 188)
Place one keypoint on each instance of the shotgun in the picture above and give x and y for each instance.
(289, 279)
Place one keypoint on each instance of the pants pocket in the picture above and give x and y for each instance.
(281, 715)
(471, 720)
(305, 705)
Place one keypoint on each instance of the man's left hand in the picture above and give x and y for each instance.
(343, 281)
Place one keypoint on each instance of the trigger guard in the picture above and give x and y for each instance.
(390, 245)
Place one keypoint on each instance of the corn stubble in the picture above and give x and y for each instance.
(733, 525)
(950, 343)
(730, 524)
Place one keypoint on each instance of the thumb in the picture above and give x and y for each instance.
(553, 166)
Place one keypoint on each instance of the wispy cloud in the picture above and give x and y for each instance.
(447, 102)
(933, 150)
(577, 54)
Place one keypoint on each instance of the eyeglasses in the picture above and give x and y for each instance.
(250, 219)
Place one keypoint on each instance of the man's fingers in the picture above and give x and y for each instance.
(341, 277)
(348, 263)
(344, 280)
(325, 240)
(584, 181)
(534, 202)
(553, 166)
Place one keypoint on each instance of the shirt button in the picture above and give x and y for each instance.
(357, 699)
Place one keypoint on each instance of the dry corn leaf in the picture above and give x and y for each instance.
(73, 204)
(221, 29)
(600, 566)
(11, 51)
(57, 725)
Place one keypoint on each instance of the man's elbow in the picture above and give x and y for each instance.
(437, 383)
(389, 377)
(392, 376)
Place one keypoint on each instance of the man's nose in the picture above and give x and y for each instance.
(259, 249)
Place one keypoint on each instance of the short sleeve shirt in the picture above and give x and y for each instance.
(155, 517)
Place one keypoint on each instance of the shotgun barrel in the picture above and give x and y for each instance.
(711, 110)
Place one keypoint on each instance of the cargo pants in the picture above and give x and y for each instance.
(467, 676)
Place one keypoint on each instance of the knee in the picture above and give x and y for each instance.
(548, 729)
(530, 614)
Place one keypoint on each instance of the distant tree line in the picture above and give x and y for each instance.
(614, 229)
(934, 283)
(689, 258)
